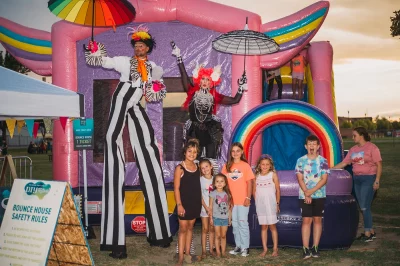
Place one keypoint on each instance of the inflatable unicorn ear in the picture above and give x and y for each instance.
(216, 74)
(196, 70)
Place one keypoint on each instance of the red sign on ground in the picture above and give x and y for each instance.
(138, 224)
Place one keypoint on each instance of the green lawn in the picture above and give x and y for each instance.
(383, 251)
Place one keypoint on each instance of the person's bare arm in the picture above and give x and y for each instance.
(254, 188)
(277, 189)
(340, 165)
(378, 175)
(210, 211)
(300, 179)
(177, 183)
(320, 184)
(249, 191)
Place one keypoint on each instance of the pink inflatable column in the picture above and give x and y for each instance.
(320, 56)
(65, 165)
(251, 98)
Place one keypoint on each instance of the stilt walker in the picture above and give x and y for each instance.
(136, 80)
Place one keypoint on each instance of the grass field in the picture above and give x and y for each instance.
(383, 251)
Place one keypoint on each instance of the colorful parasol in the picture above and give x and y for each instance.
(94, 13)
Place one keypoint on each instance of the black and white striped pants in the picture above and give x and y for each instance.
(125, 105)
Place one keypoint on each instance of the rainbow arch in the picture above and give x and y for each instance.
(295, 34)
(290, 111)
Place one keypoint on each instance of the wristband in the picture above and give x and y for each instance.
(178, 204)
(277, 203)
(377, 183)
(248, 198)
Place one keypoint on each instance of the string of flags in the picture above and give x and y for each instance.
(32, 126)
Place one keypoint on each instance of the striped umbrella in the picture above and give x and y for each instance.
(245, 42)
(94, 13)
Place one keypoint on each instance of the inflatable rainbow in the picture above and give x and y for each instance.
(290, 111)
(290, 36)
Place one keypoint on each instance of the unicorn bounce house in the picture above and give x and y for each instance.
(277, 127)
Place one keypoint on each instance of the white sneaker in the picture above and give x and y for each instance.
(236, 251)
(245, 252)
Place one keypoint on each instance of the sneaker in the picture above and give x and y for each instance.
(245, 252)
(236, 251)
(373, 235)
(306, 253)
(314, 252)
(365, 238)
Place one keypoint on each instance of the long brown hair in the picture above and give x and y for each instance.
(226, 188)
(262, 158)
(229, 163)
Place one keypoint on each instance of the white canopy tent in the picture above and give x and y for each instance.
(24, 97)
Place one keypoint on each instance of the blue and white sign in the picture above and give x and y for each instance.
(29, 221)
(83, 134)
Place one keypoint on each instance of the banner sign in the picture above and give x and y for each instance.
(83, 134)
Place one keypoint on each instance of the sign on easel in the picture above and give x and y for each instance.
(41, 226)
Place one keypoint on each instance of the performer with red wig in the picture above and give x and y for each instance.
(201, 103)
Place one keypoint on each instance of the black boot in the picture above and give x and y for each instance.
(118, 255)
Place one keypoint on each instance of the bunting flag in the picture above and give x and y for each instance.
(35, 129)
(20, 124)
(29, 124)
(11, 126)
(48, 125)
(63, 121)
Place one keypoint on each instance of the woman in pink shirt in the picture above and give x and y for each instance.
(366, 160)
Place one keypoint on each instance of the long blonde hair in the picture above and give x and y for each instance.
(262, 158)
(229, 163)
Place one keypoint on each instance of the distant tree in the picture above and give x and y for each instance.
(8, 61)
(383, 124)
(396, 125)
(1, 59)
(395, 28)
(366, 123)
(11, 63)
(346, 124)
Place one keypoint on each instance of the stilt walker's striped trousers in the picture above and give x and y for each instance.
(125, 105)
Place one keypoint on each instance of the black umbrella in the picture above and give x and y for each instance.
(245, 42)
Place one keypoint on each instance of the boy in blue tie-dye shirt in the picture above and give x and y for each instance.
(312, 173)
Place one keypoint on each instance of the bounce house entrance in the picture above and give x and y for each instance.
(284, 143)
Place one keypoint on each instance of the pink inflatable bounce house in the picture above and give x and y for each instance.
(193, 25)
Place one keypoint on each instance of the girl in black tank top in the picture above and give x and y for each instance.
(187, 190)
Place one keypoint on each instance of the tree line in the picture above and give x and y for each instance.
(379, 124)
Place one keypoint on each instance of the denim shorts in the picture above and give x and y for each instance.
(220, 222)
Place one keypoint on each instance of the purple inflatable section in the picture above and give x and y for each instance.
(195, 45)
(339, 183)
